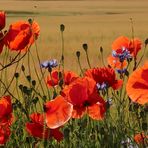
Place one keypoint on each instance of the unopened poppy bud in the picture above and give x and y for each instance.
(30, 21)
(23, 68)
(101, 49)
(62, 27)
(35, 100)
(16, 75)
(85, 47)
(21, 87)
(25, 90)
(33, 82)
(146, 42)
(78, 54)
(28, 78)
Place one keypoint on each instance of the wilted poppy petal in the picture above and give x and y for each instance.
(137, 85)
(96, 111)
(58, 112)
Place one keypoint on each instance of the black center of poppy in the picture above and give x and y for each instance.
(86, 103)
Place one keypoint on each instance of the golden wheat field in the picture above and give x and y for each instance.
(96, 23)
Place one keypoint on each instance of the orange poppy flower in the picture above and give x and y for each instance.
(4, 133)
(140, 138)
(21, 35)
(36, 128)
(58, 112)
(5, 107)
(104, 77)
(54, 78)
(115, 63)
(122, 45)
(2, 20)
(137, 85)
(87, 100)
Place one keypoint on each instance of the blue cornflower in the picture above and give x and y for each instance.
(120, 71)
(102, 86)
(124, 54)
(49, 64)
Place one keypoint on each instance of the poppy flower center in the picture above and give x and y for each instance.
(86, 103)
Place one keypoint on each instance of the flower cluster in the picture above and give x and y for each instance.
(94, 96)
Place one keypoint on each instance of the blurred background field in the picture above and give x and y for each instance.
(96, 23)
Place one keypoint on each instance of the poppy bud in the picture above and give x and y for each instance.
(85, 47)
(28, 78)
(62, 27)
(30, 21)
(33, 82)
(2, 20)
(101, 49)
(78, 54)
(23, 68)
(146, 42)
(16, 75)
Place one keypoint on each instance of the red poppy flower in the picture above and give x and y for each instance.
(82, 93)
(104, 76)
(2, 20)
(140, 138)
(38, 128)
(115, 63)
(21, 35)
(133, 45)
(137, 85)
(1, 41)
(58, 112)
(5, 107)
(4, 133)
(54, 78)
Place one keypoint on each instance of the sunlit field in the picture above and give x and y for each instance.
(97, 23)
(74, 74)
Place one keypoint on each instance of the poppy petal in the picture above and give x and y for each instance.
(96, 111)
(58, 112)
(78, 112)
(137, 85)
